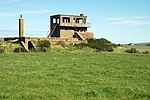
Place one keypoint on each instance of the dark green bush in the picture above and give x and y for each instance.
(101, 44)
(41, 49)
(33, 50)
(132, 50)
(98, 44)
(2, 50)
(81, 45)
(20, 49)
(146, 52)
(62, 43)
(44, 44)
(147, 44)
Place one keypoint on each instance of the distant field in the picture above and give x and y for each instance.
(139, 47)
(74, 75)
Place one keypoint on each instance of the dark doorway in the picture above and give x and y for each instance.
(30, 46)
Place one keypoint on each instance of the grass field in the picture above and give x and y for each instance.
(141, 48)
(74, 75)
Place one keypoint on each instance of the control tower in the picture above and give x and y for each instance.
(69, 26)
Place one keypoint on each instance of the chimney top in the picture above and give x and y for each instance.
(81, 14)
(20, 16)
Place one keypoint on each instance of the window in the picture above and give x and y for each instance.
(66, 19)
(54, 20)
(84, 20)
(79, 20)
(57, 20)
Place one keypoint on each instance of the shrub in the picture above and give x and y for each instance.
(20, 49)
(132, 50)
(101, 44)
(33, 50)
(147, 44)
(146, 52)
(62, 43)
(41, 49)
(44, 44)
(81, 45)
(2, 50)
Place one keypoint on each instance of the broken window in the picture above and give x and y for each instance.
(84, 20)
(79, 20)
(66, 20)
(57, 20)
(54, 20)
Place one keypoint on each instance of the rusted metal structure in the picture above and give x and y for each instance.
(69, 26)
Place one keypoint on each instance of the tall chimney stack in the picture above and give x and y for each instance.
(21, 26)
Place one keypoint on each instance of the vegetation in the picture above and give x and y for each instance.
(2, 50)
(132, 50)
(140, 48)
(147, 44)
(44, 44)
(145, 52)
(99, 44)
(20, 49)
(74, 75)
(41, 46)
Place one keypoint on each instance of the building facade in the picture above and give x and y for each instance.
(69, 26)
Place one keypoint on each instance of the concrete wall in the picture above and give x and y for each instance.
(66, 33)
(87, 35)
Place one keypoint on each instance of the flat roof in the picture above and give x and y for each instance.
(80, 15)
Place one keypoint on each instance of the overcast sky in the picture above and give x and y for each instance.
(120, 21)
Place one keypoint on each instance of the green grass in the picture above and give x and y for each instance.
(74, 75)
(141, 48)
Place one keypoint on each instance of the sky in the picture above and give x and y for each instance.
(120, 21)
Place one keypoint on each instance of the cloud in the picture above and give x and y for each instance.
(9, 14)
(140, 20)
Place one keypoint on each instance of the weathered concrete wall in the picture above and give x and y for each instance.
(87, 35)
(66, 33)
(53, 41)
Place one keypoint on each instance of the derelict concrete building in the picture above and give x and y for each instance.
(69, 26)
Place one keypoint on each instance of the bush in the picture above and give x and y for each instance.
(81, 45)
(44, 44)
(20, 49)
(41, 49)
(101, 44)
(62, 43)
(2, 50)
(146, 52)
(147, 44)
(132, 50)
